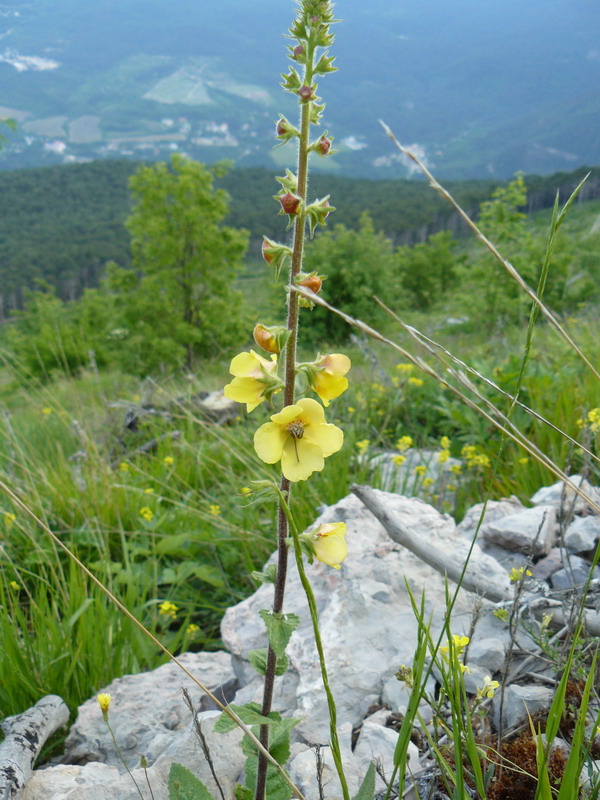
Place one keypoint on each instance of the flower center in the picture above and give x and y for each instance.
(296, 429)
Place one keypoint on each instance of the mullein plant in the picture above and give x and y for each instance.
(297, 437)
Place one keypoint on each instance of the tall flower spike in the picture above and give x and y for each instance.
(299, 437)
(255, 379)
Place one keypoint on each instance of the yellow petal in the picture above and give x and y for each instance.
(331, 550)
(328, 387)
(329, 438)
(336, 363)
(287, 415)
(300, 459)
(330, 528)
(311, 412)
(269, 440)
(245, 365)
(245, 390)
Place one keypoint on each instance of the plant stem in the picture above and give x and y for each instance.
(288, 399)
(312, 606)
(120, 754)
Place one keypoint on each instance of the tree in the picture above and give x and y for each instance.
(185, 258)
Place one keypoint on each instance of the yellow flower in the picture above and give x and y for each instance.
(351, 409)
(329, 544)
(518, 573)
(299, 437)
(405, 367)
(9, 518)
(215, 510)
(168, 461)
(445, 443)
(168, 609)
(415, 381)
(191, 629)
(14, 585)
(427, 482)
(377, 387)
(104, 701)
(398, 460)
(149, 490)
(328, 379)
(443, 456)
(46, 411)
(254, 379)
(363, 445)
(523, 460)
(146, 513)
(456, 469)
(488, 689)
(420, 469)
(459, 644)
(245, 490)
(501, 613)
(403, 443)
(395, 381)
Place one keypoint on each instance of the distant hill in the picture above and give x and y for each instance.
(62, 224)
(481, 89)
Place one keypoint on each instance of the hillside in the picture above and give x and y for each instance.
(480, 89)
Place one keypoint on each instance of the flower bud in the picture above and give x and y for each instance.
(275, 254)
(284, 129)
(290, 203)
(323, 146)
(265, 338)
(311, 281)
(298, 51)
(306, 93)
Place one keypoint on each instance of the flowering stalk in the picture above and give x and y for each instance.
(311, 30)
(312, 606)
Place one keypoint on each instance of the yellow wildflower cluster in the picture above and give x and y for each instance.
(363, 444)
(474, 458)
(398, 460)
(488, 689)
(168, 461)
(593, 420)
(415, 382)
(9, 518)
(427, 482)
(445, 443)
(192, 629)
(458, 645)
(147, 513)
(404, 443)
(214, 510)
(404, 368)
(420, 469)
(443, 456)
(168, 609)
(518, 573)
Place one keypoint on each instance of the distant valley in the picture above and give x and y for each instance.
(479, 90)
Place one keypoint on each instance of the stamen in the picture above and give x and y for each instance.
(296, 431)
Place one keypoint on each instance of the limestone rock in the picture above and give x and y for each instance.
(530, 531)
(564, 498)
(582, 535)
(137, 717)
(574, 573)
(548, 565)
(495, 510)
(518, 700)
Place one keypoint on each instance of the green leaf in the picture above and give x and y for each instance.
(249, 713)
(209, 574)
(367, 787)
(171, 545)
(276, 788)
(279, 629)
(258, 659)
(268, 576)
(242, 792)
(184, 785)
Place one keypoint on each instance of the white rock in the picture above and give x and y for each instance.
(59, 781)
(530, 531)
(142, 708)
(518, 700)
(574, 573)
(489, 653)
(376, 742)
(366, 620)
(564, 498)
(583, 534)
(494, 510)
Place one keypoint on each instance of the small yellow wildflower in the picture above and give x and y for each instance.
(501, 613)
(363, 445)
(124, 466)
(351, 409)
(523, 460)
(415, 381)
(191, 629)
(395, 381)
(399, 460)
(14, 585)
(405, 367)
(579, 422)
(168, 609)
(104, 701)
(518, 573)
(488, 689)
(445, 443)
(147, 513)
(456, 469)
(406, 675)
(420, 469)
(443, 456)
(329, 544)
(46, 411)
(168, 461)
(245, 490)
(377, 387)
(215, 510)
(593, 419)
(427, 482)
(459, 643)
(404, 443)
(9, 518)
